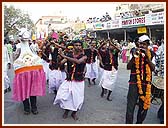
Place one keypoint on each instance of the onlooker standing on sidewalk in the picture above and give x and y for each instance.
(10, 51)
(7, 65)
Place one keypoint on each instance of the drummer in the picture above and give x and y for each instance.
(141, 68)
(160, 70)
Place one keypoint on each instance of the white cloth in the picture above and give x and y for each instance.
(70, 95)
(101, 70)
(18, 45)
(34, 48)
(63, 76)
(55, 80)
(91, 70)
(26, 57)
(108, 79)
(143, 38)
(46, 68)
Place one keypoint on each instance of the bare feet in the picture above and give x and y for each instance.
(65, 115)
(94, 81)
(74, 116)
(109, 99)
(105, 91)
(102, 94)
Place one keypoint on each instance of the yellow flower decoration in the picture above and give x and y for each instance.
(147, 98)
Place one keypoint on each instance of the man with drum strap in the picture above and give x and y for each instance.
(141, 68)
(159, 60)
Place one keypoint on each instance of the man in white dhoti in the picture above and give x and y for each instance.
(110, 65)
(70, 95)
(91, 65)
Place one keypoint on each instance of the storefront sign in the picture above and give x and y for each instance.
(154, 18)
(108, 25)
(111, 24)
(98, 26)
(136, 21)
(89, 26)
(141, 30)
(116, 24)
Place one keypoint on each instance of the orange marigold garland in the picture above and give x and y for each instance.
(147, 98)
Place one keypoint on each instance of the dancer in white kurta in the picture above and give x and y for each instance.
(70, 95)
(110, 65)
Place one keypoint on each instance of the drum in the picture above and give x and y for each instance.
(156, 93)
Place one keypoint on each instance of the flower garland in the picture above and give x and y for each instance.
(111, 57)
(147, 98)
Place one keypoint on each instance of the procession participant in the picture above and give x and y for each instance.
(123, 53)
(29, 80)
(7, 66)
(62, 65)
(110, 61)
(54, 35)
(55, 76)
(44, 54)
(70, 95)
(102, 48)
(34, 47)
(141, 68)
(159, 67)
(65, 39)
(91, 65)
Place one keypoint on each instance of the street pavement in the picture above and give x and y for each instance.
(95, 110)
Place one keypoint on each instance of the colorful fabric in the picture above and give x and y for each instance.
(29, 83)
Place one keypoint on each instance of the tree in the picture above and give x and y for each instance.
(14, 19)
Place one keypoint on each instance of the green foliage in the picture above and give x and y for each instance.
(15, 19)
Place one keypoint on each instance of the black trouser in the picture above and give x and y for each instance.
(132, 98)
(26, 103)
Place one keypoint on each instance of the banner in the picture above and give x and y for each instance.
(98, 26)
(154, 18)
(116, 24)
(89, 26)
(135, 21)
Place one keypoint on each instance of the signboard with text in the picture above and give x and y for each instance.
(141, 30)
(135, 21)
(154, 18)
(116, 24)
(98, 26)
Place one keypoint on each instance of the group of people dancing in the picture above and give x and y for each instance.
(65, 66)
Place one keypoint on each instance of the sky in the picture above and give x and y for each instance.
(69, 9)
